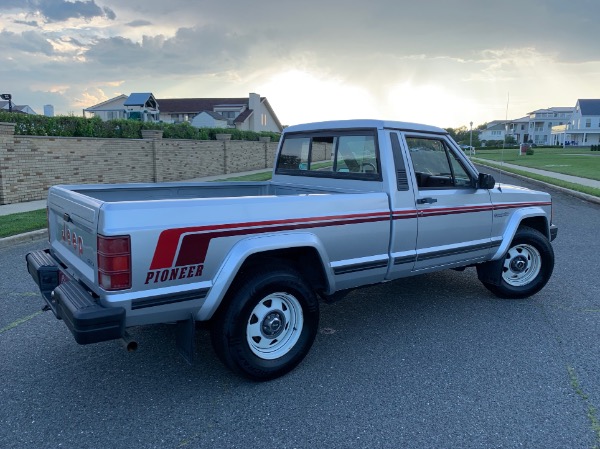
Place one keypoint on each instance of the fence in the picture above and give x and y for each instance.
(29, 165)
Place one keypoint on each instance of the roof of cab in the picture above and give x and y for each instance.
(364, 123)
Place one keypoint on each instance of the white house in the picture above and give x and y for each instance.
(139, 106)
(209, 119)
(112, 109)
(519, 129)
(584, 126)
(541, 122)
(495, 130)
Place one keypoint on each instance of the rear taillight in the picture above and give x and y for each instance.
(114, 262)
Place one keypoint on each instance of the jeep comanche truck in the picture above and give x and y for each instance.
(351, 203)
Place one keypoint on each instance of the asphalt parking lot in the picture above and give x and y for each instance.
(433, 361)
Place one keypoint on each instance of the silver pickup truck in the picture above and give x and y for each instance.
(351, 203)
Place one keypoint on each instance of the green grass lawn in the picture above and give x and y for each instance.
(569, 161)
(22, 222)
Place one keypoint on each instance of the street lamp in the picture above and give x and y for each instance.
(7, 97)
(471, 139)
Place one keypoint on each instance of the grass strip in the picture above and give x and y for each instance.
(21, 222)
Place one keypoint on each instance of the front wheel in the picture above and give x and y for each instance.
(526, 267)
(268, 324)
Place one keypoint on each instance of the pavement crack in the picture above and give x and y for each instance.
(591, 410)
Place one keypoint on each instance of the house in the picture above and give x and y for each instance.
(541, 122)
(112, 109)
(19, 108)
(584, 126)
(137, 106)
(250, 114)
(495, 131)
(536, 127)
(519, 129)
(141, 106)
(209, 119)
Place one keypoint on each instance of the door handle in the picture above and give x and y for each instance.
(426, 200)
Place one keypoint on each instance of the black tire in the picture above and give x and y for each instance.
(268, 324)
(527, 266)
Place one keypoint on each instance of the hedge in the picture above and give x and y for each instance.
(71, 126)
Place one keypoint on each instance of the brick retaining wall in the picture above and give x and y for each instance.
(29, 165)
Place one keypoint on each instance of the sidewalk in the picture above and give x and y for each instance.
(549, 174)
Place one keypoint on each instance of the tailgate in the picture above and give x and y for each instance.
(73, 222)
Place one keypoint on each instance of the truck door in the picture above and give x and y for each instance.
(454, 216)
(403, 241)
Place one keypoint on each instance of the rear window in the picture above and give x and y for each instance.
(341, 154)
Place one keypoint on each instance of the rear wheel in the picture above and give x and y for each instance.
(527, 266)
(268, 325)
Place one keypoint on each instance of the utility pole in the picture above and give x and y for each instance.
(471, 139)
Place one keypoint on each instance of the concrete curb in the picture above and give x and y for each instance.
(20, 238)
(580, 195)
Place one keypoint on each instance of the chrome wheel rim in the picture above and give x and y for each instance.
(274, 326)
(521, 265)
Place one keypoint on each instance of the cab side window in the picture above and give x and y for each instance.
(435, 165)
(351, 154)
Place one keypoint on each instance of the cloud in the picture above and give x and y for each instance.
(59, 10)
(139, 23)
(29, 42)
(31, 23)
(469, 52)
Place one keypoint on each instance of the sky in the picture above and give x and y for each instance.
(440, 62)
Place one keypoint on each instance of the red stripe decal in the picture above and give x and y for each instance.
(194, 246)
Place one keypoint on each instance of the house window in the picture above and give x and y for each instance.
(263, 119)
(588, 122)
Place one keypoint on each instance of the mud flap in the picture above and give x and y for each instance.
(491, 272)
(186, 338)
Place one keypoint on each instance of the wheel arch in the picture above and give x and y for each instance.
(302, 251)
(533, 217)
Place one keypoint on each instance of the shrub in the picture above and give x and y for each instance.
(530, 152)
(71, 126)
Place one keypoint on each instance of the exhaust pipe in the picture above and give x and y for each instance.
(128, 342)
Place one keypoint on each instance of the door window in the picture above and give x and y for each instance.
(435, 165)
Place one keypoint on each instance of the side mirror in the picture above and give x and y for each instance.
(485, 181)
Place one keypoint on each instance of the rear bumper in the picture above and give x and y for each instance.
(88, 320)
